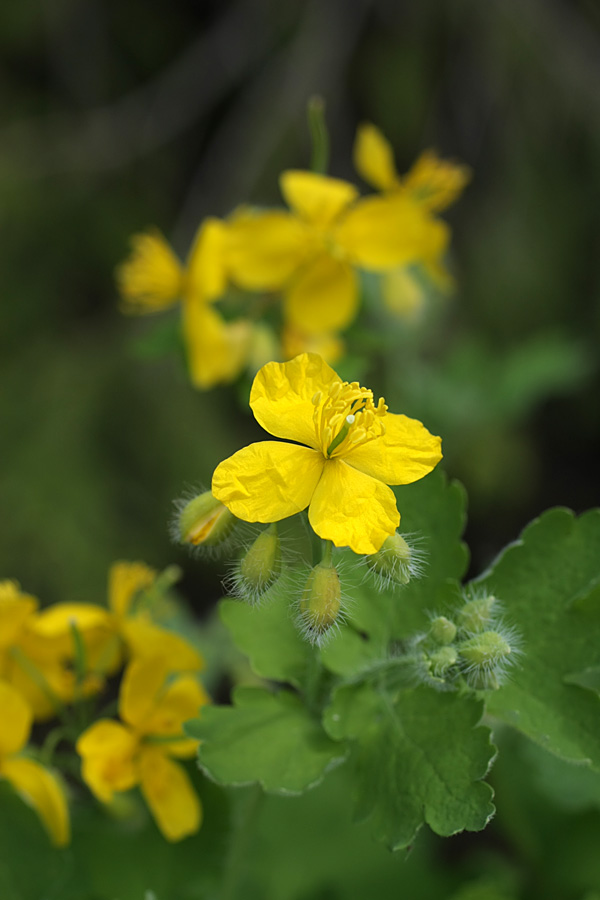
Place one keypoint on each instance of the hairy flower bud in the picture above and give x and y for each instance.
(260, 567)
(395, 562)
(442, 630)
(204, 521)
(442, 661)
(476, 615)
(484, 657)
(320, 602)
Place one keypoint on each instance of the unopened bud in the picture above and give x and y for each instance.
(442, 630)
(204, 520)
(321, 601)
(486, 649)
(392, 562)
(484, 657)
(476, 615)
(442, 661)
(260, 567)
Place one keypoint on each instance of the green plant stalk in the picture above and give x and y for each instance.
(319, 135)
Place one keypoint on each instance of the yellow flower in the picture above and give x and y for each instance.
(105, 632)
(36, 784)
(153, 279)
(353, 450)
(313, 251)
(117, 756)
(432, 182)
(37, 665)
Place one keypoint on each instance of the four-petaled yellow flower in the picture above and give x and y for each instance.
(312, 251)
(354, 449)
(118, 756)
(153, 279)
(37, 664)
(107, 633)
(36, 784)
(433, 184)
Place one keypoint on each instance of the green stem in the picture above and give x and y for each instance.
(312, 682)
(243, 829)
(319, 135)
(327, 554)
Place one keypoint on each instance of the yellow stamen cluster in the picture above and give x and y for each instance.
(345, 417)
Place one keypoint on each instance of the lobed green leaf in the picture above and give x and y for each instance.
(419, 757)
(267, 738)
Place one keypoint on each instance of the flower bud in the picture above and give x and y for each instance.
(321, 601)
(442, 630)
(484, 657)
(393, 562)
(260, 567)
(476, 615)
(204, 521)
(442, 661)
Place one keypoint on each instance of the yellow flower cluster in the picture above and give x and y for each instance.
(52, 658)
(311, 253)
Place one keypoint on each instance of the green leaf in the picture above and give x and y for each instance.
(432, 510)
(419, 757)
(266, 738)
(541, 581)
(267, 635)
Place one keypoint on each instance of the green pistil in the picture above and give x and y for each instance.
(341, 434)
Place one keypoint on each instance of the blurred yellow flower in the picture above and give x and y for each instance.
(117, 756)
(36, 784)
(152, 279)
(432, 182)
(37, 665)
(353, 450)
(106, 633)
(313, 251)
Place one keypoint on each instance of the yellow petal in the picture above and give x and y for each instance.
(374, 158)
(205, 273)
(145, 639)
(435, 182)
(125, 580)
(108, 750)
(42, 790)
(216, 350)
(318, 199)
(405, 453)
(402, 292)
(180, 701)
(151, 278)
(329, 346)
(15, 609)
(15, 720)
(385, 232)
(141, 684)
(282, 394)
(323, 296)
(169, 793)
(352, 509)
(264, 249)
(268, 481)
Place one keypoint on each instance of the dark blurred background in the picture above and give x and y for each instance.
(120, 115)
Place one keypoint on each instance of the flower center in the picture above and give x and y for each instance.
(345, 417)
